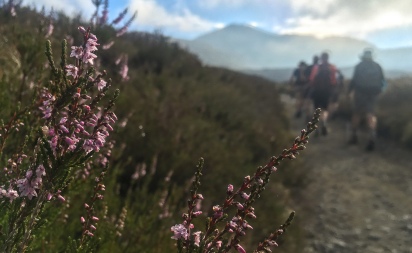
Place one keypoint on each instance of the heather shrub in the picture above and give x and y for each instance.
(171, 110)
(393, 111)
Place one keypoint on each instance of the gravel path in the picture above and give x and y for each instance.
(358, 201)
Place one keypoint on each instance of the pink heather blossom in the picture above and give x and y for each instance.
(82, 220)
(10, 194)
(199, 196)
(92, 36)
(92, 227)
(274, 169)
(218, 212)
(13, 11)
(251, 215)
(272, 243)
(53, 142)
(244, 195)
(104, 17)
(77, 52)
(229, 189)
(72, 70)
(91, 45)
(64, 129)
(94, 218)
(197, 238)
(124, 71)
(180, 232)
(27, 186)
(239, 248)
(246, 225)
(61, 198)
(89, 233)
(101, 84)
(218, 244)
(88, 57)
(47, 103)
(121, 32)
(108, 45)
(197, 213)
(81, 29)
(120, 17)
(86, 206)
(49, 30)
(239, 206)
(118, 60)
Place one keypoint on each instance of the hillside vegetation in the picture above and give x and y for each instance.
(172, 111)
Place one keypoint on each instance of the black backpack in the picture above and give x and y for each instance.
(322, 80)
(369, 78)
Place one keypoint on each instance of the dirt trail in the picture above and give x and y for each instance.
(359, 201)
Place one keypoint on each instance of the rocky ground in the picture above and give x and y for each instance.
(357, 201)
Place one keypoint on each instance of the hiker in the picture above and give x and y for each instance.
(337, 90)
(367, 83)
(299, 80)
(308, 97)
(322, 81)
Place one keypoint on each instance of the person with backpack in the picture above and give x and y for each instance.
(299, 80)
(322, 81)
(308, 94)
(367, 83)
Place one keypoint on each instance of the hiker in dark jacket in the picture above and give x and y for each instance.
(299, 80)
(322, 80)
(367, 83)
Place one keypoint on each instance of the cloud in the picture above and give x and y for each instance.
(346, 17)
(150, 13)
(69, 7)
(211, 4)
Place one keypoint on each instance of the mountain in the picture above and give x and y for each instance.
(270, 55)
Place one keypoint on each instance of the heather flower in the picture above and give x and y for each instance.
(245, 195)
(27, 186)
(77, 52)
(81, 29)
(180, 232)
(197, 238)
(124, 69)
(108, 45)
(239, 248)
(61, 198)
(121, 31)
(49, 30)
(229, 189)
(88, 57)
(101, 84)
(72, 70)
(120, 17)
(91, 45)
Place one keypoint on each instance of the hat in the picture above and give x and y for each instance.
(367, 54)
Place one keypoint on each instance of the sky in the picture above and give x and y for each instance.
(385, 23)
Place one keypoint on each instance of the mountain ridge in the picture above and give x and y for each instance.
(249, 49)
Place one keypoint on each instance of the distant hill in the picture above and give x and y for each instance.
(272, 56)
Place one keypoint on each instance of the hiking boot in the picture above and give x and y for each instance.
(353, 140)
(324, 130)
(370, 146)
